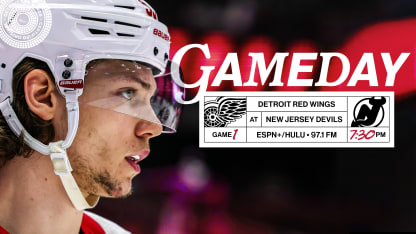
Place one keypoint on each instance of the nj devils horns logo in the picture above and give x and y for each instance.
(71, 84)
(369, 112)
(223, 111)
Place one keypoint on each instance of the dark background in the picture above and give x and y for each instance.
(275, 190)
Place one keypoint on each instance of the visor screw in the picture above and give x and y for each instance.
(68, 62)
(66, 74)
(156, 51)
(166, 56)
(3, 65)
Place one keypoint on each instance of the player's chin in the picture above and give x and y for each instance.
(123, 190)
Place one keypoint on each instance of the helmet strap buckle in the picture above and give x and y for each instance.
(60, 159)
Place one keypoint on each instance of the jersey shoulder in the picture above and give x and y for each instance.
(108, 226)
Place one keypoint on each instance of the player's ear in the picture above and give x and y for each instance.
(39, 94)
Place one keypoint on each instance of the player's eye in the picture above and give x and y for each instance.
(128, 93)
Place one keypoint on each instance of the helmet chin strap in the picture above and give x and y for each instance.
(57, 150)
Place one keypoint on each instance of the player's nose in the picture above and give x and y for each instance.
(147, 129)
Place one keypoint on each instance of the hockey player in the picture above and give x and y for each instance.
(84, 86)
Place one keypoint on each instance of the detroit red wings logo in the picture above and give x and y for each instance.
(223, 111)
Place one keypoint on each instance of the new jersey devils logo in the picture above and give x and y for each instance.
(223, 111)
(369, 112)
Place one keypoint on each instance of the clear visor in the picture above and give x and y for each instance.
(130, 88)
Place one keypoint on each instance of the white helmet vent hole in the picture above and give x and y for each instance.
(93, 19)
(125, 35)
(127, 24)
(126, 7)
(98, 32)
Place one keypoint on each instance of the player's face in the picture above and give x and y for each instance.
(106, 139)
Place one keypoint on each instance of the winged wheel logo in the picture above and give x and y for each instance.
(223, 111)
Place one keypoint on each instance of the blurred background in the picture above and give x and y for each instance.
(185, 189)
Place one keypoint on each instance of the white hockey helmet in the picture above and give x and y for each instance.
(69, 34)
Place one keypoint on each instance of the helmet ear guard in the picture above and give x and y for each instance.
(108, 29)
